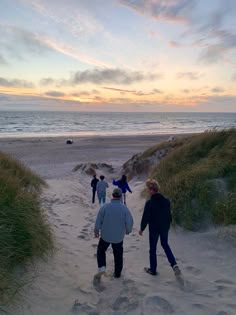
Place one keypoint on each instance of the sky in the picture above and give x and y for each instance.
(118, 55)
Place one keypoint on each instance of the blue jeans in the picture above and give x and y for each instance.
(102, 198)
(153, 239)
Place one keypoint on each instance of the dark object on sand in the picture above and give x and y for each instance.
(69, 141)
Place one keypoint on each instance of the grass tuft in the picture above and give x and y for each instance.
(24, 231)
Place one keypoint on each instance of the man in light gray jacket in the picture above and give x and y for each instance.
(114, 220)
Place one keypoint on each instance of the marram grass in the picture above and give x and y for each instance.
(199, 177)
(24, 231)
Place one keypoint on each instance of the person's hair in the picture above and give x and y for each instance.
(123, 179)
(117, 193)
(102, 177)
(152, 184)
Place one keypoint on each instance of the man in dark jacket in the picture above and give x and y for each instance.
(157, 215)
(94, 186)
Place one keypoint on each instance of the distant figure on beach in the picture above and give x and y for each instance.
(102, 186)
(94, 186)
(123, 185)
(157, 214)
(114, 220)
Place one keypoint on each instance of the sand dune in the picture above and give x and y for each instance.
(64, 283)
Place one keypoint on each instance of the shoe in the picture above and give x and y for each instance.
(177, 271)
(97, 277)
(148, 270)
(117, 275)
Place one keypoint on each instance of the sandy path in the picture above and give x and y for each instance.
(64, 284)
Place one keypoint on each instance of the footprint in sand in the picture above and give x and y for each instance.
(224, 281)
(97, 283)
(193, 270)
(157, 305)
(83, 237)
(124, 304)
(82, 308)
(199, 307)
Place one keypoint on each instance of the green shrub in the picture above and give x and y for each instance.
(24, 231)
(200, 178)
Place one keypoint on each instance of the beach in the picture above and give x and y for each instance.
(64, 281)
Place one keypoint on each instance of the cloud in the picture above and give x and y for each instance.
(220, 103)
(77, 20)
(54, 93)
(189, 75)
(234, 77)
(157, 91)
(209, 23)
(101, 76)
(186, 91)
(15, 83)
(119, 90)
(134, 92)
(215, 52)
(85, 93)
(3, 61)
(26, 40)
(117, 76)
(217, 90)
(3, 98)
(46, 81)
(169, 10)
(21, 43)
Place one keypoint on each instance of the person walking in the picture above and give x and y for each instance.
(123, 185)
(94, 182)
(157, 215)
(102, 186)
(114, 220)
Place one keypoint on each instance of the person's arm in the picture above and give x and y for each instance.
(129, 222)
(115, 182)
(169, 211)
(128, 188)
(99, 221)
(98, 187)
(145, 218)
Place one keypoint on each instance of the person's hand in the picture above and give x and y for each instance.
(140, 233)
(96, 234)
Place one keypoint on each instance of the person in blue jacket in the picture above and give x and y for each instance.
(113, 222)
(123, 185)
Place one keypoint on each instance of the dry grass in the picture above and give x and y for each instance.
(25, 232)
(200, 178)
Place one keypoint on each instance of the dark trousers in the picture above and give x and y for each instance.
(117, 252)
(93, 198)
(153, 239)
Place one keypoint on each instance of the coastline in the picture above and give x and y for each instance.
(39, 153)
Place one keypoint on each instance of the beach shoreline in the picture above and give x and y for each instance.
(53, 152)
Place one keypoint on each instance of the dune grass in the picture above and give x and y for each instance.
(199, 177)
(24, 231)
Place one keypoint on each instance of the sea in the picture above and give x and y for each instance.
(53, 124)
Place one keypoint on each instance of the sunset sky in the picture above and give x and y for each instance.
(118, 55)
